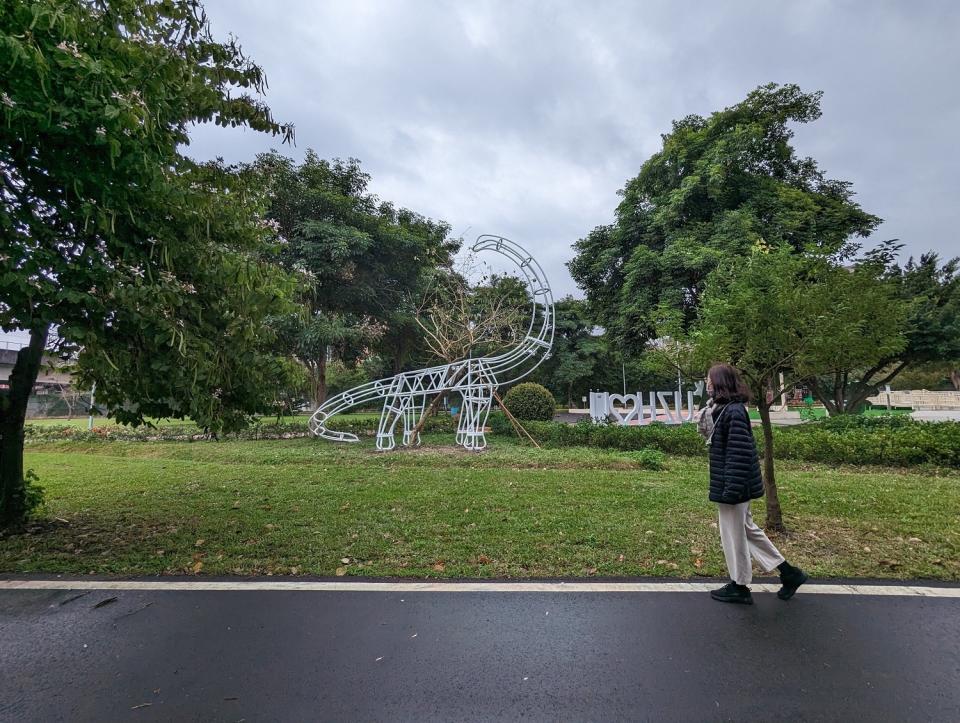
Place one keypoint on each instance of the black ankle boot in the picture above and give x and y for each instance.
(733, 593)
(790, 578)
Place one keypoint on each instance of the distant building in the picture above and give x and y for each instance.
(52, 374)
(53, 393)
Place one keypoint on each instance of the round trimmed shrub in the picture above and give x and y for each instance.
(530, 402)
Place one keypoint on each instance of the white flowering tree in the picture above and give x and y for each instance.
(154, 270)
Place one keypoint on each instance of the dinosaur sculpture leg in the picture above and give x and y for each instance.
(411, 416)
(473, 417)
(394, 408)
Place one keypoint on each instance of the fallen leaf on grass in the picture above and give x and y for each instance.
(484, 560)
(866, 549)
(698, 563)
(591, 571)
(199, 542)
(621, 558)
(341, 571)
(345, 560)
(439, 566)
(197, 566)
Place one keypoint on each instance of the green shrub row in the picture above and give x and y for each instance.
(362, 426)
(367, 426)
(168, 433)
(899, 442)
(895, 441)
(682, 440)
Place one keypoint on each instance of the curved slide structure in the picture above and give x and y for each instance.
(475, 379)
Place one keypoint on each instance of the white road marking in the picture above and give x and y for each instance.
(496, 586)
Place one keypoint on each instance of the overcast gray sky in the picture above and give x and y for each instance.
(525, 118)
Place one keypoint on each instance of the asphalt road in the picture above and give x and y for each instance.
(297, 655)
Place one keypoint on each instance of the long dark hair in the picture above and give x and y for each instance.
(728, 386)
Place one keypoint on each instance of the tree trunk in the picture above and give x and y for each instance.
(400, 353)
(955, 379)
(821, 395)
(432, 408)
(13, 413)
(322, 380)
(317, 371)
(774, 514)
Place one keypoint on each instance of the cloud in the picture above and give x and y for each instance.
(525, 119)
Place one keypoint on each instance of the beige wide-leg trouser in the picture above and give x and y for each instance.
(742, 538)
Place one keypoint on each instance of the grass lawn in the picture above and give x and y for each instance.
(304, 506)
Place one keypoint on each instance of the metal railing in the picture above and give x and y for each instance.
(918, 399)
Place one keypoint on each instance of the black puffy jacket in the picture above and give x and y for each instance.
(734, 466)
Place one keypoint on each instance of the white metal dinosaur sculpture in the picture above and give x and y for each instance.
(475, 379)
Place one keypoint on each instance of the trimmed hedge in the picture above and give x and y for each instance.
(367, 426)
(894, 441)
(364, 427)
(682, 440)
(530, 402)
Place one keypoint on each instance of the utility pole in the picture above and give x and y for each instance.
(93, 391)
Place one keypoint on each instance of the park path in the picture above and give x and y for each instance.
(643, 650)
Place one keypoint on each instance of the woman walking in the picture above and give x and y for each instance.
(735, 481)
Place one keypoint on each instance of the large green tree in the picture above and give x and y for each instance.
(149, 266)
(776, 312)
(364, 260)
(718, 186)
(928, 294)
